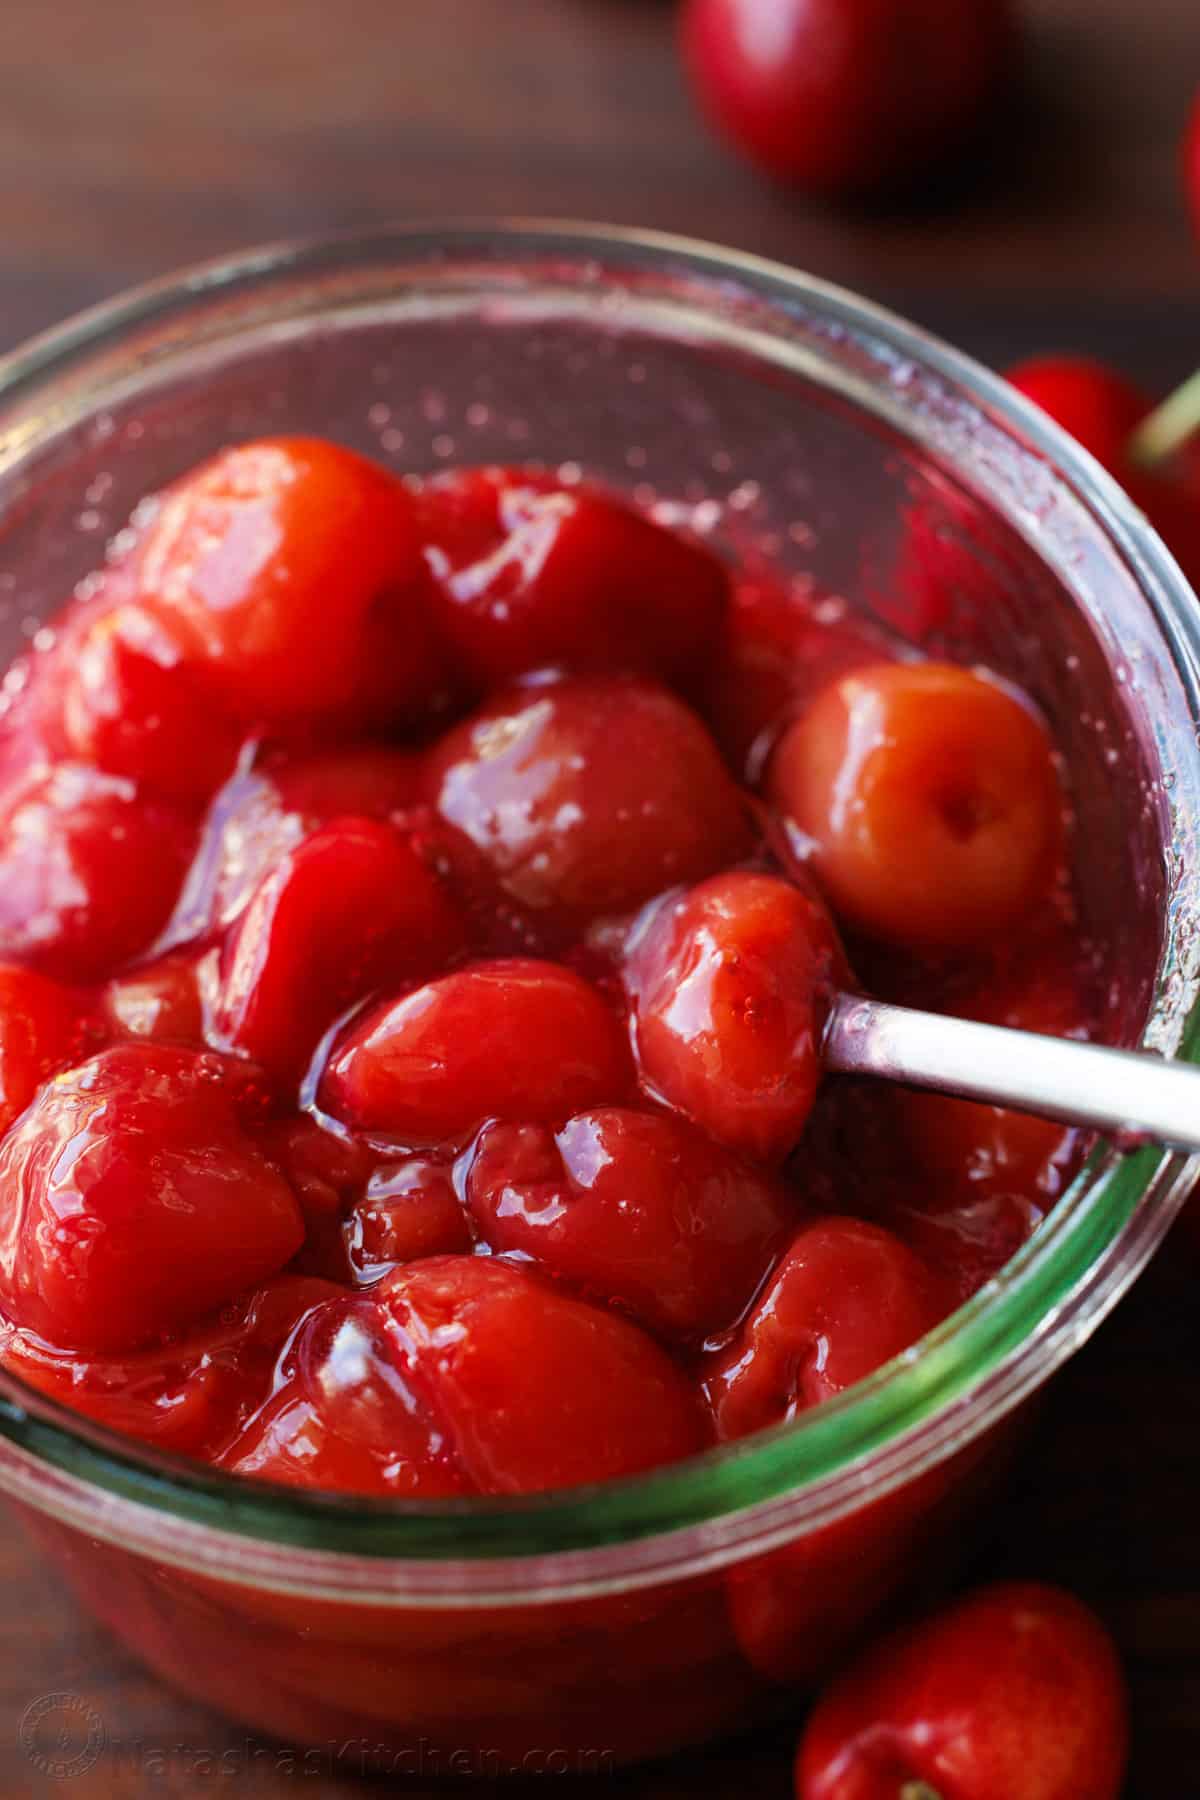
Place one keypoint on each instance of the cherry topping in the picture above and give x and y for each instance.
(530, 576)
(730, 983)
(91, 871)
(345, 1416)
(537, 1390)
(634, 1207)
(43, 1027)
(348, 910)
(507, 1039)
(929, 796)
(589, 796)
(410, 1209)
(134, 1202)
(275, 564)
(846, 1298)
(191, 1393)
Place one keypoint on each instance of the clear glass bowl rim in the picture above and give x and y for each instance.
(738, 1500)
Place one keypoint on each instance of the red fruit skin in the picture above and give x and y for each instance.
(344, 1418)
(531, 576)
(730, 985)
(189, 1395)
(930, 799)
(134, 1202)
(1102, 410)
(163, 1000)
(508, 1039)
(351, 908)
(637, 1209)
(91, 871)
(589, 796)
(1099, 407)
(410, 1210)
(262, 813)
(118, 691)
(1014, 1690)
(537, 1390)
(43, 1027)
(846, 1298)
(273, 565)
(845, 96)
(1191, 162)
(328, 1173)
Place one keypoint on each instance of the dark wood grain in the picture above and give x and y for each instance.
(139, 136)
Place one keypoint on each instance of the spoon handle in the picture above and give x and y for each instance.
(1130, 1094)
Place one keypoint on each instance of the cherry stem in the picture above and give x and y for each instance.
(1168, 427)
(918, 1790)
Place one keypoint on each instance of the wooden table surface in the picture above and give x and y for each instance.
(138, 136)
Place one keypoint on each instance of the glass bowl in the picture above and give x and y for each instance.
(757, 406)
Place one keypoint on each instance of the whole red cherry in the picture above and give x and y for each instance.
(1191, 160)
(1014, 1690)
(1102, 409)
(845, 96)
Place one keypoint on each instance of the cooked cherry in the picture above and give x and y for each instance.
(400, 1114)
(410, 1209)
(273, 562)
(91, 871)
(589, 796)
(730, 983)
(163, 1000)
(345, 1415)
(350, 909)
(505, 1039)
(265, 811)
(328, 1173)
(634, 1207)
(190, 1394)
(532, 576)
(119, 692)
(43, 1027)
(846, 1298)
(930, 799)
(134, 1202)
(537, 1390)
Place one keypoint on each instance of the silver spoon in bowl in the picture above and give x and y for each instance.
(1131, 1095)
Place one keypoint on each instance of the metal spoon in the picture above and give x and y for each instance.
(1132, 1095)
